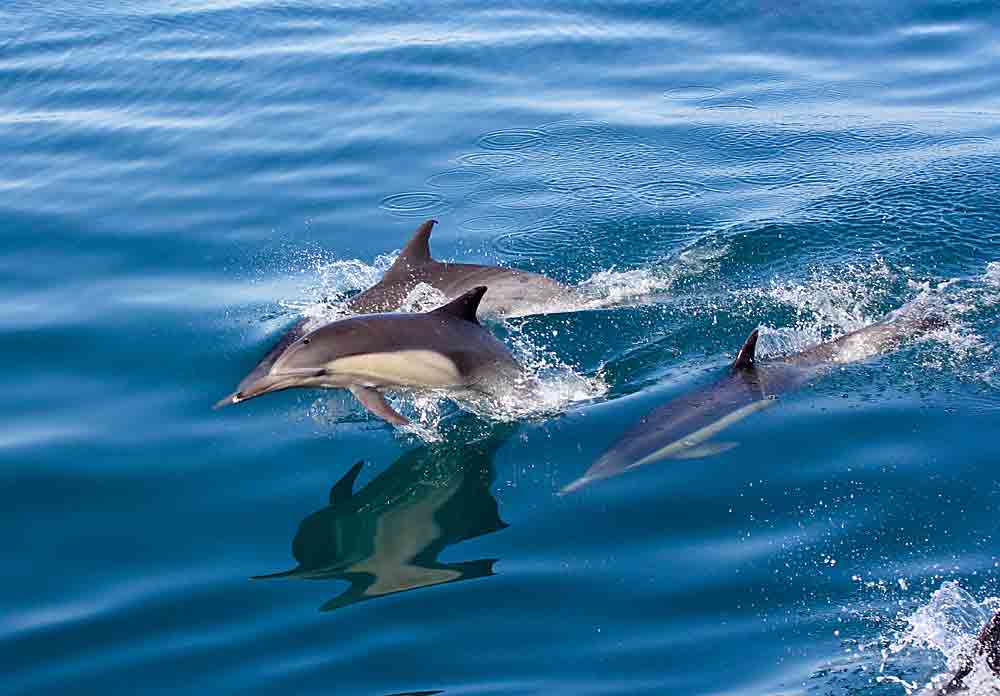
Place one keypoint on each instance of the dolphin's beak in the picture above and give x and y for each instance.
(257, 388)
(268, 384)
(233, 398)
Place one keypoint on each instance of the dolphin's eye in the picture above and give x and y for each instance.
(305, 341)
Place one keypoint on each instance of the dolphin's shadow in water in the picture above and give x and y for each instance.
(386, 537)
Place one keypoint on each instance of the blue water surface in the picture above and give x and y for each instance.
(180, 181)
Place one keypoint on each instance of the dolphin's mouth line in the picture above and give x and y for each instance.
(276, 381)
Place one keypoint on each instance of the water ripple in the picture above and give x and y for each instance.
(490, 159)
(657, 193)
(488, 223)
(511, 139)
(515, 197)
(458, 178)
(413, 203)
(692, 92)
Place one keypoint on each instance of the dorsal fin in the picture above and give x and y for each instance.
(464, 306)
(745, 358)
(417, 251)
(344, 488)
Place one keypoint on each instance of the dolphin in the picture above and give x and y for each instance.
(445, 348)
(684, 427)
(513, 293)
(386, 537)
(987, 648)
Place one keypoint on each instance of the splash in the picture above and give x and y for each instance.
(945, 629)
(826, 306)
(834, 302)
(613, 288)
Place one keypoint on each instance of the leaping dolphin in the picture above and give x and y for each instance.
(513, 293)
(684, 427)
(445, 348)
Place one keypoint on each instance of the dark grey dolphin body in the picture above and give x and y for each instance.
(684, 427)
(386, 537)
(446, 348)
(512, 293)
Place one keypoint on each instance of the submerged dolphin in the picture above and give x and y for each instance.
(442, 349)
(513, 293)
(386, 537)
(683, 428)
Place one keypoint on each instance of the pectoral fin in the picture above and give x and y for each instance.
(709, 449)
(376, 403)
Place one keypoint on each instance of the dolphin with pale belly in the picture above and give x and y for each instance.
(513, 293)
(685, 427)
(445, 348)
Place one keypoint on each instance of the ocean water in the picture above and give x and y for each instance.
(180, 181)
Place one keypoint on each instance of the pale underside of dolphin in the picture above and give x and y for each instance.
(512, 292)
(445, 348)
(685, 427)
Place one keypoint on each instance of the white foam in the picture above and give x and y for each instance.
(946, 626)
(836, 301)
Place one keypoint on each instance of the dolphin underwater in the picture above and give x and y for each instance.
(513, 293)
(386, 537)
(683, 428)
(445, 348)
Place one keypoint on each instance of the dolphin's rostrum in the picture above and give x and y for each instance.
(684, 427)
(442, 349)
